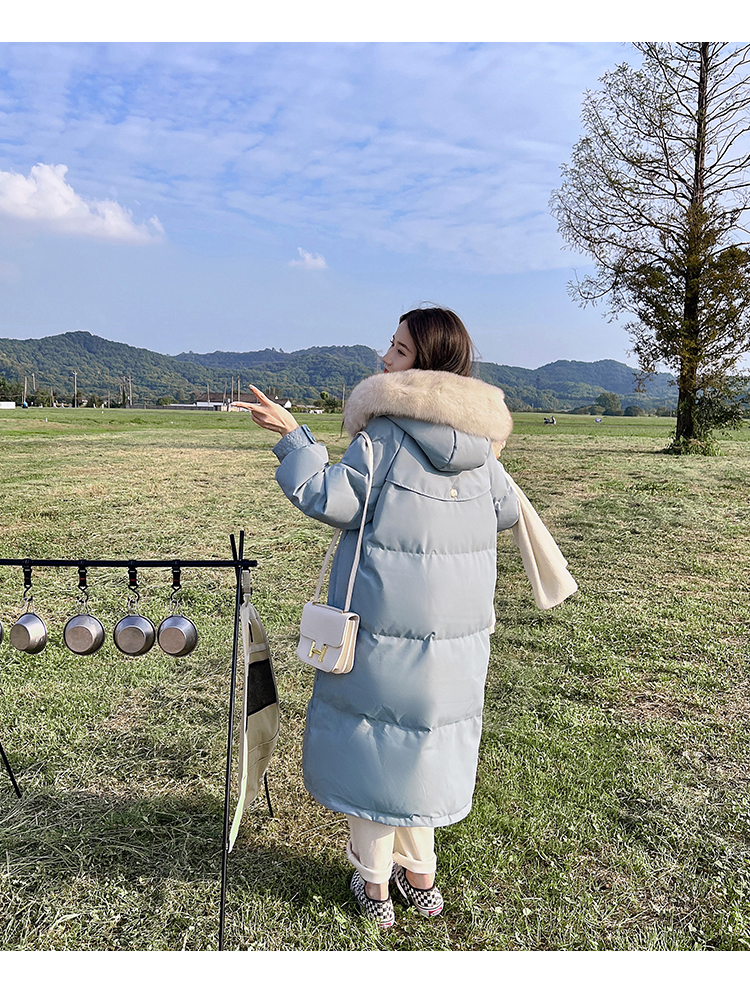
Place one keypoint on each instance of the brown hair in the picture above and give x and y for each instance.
(441, 340)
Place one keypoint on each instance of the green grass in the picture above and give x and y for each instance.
(611, 805)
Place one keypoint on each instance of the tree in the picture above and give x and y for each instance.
(10, 391)
(610, 402)
(329, 402)
(41, 397)
(656, 193)
(724, 405)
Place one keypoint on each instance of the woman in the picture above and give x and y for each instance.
(393, 744)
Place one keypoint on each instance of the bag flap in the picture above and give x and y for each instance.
(324, 624)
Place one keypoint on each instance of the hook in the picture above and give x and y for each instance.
(83, 593)
(28, 598)
(176, 587)
(134, 595)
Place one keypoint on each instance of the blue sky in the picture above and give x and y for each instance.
(236, 196)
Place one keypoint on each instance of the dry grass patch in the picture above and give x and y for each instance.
(611, 805)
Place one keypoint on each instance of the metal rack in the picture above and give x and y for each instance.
(239, 564)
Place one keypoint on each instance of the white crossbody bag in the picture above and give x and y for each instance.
(327, 634)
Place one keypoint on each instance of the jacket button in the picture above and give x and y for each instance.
(454, 493)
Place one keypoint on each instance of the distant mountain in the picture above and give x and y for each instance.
(569, 384)
(562, 384)
(100, 365)
(302, 374)
(104, 367)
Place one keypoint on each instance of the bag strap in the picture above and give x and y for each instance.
(337, 535)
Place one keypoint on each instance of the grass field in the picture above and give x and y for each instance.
(611, 809)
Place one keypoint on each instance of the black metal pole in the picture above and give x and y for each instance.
(10, 771)
(230, 733)
(76, 562)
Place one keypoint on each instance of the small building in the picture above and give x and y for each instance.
(204, 403)
(210, 400)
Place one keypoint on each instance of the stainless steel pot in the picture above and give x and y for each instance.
(134, 635)
(28, 633)
(83, 634)
(177, 635)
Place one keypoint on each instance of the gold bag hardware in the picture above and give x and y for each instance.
(327, 637)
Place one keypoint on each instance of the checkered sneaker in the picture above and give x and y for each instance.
(427, 902)
(379, 911)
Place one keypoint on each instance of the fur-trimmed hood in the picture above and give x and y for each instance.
(466, 404)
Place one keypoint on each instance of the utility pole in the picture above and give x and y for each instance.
(343, 399)
(75, 389)
(130, 391)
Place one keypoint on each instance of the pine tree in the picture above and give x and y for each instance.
(656, 194)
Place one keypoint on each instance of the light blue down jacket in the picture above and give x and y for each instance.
(396, 739)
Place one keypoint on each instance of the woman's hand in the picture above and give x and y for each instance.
(269, 415)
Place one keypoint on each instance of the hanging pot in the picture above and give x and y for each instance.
(177, 635)
(83, 634)
(28, 633)
(134, 635)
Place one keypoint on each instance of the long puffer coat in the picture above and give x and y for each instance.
(396, 740)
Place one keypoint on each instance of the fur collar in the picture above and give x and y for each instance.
(467, 404)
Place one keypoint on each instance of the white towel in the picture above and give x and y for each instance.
(546, 568)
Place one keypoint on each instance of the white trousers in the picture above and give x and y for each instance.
(373, 847)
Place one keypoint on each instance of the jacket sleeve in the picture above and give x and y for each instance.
(503, 495)
(332, 493)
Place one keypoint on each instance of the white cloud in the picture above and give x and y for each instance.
(439, 152)
(309, 261)
(46, 198)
